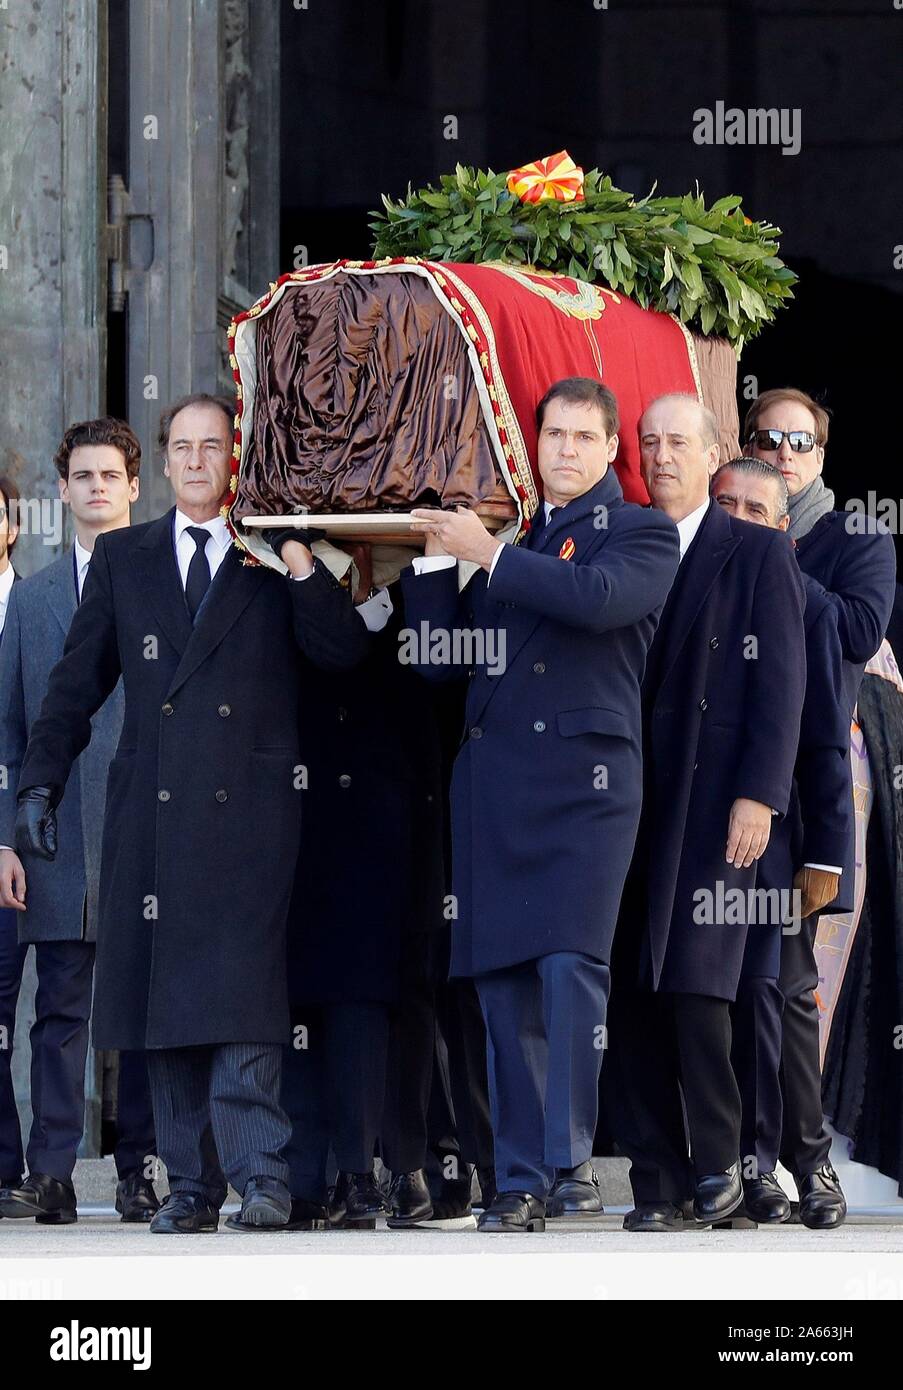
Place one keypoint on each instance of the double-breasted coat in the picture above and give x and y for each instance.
(62, 896)
(204, 795)
(722, 699)
(547, 785)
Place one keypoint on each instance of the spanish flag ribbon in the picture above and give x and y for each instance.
(568, 550)
(556, 176)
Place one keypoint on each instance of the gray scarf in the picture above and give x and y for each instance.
(809, 505)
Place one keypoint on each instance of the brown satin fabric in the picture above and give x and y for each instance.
(365, 400)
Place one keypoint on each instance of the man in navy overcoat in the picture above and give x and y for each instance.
(547, 784)
(722, 697)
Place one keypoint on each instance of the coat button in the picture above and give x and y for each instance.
(713, 643)
(703, 703)
(539, 667)
(222, 795)
(540, 726)
(224, 711)
(163, 796)
(344, 780)
(476, 731)
(167, 708)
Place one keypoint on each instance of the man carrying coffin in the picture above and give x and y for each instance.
(547, 785)
(806, 852)
(203, 813)
(722, 696)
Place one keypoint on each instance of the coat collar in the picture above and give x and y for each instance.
(231, 591)
(708, 553)
(605, 493)
(60, 591)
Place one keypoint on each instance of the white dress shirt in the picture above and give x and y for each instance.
(687, 528)
(6, 583)
(82, 561)
(216, 549)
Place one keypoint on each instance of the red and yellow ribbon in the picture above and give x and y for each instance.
(556, 176)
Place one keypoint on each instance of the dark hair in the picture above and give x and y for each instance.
(226, 405)
(582, 390)
(820, 414)
(107, 430)
(758, 468)
(11, 499)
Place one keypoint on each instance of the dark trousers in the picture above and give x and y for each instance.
(756, 1059)
(805, 1145)
(669, 1058)
(412, 1045)
(218, 1116)
(459, 1118)
(59, 1049)
(333, 1092)
(12, 963)
(545, 1028)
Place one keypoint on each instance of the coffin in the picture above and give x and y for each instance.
(368, 387)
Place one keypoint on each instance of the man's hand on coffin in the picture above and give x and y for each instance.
(460, 533)
(292, 544)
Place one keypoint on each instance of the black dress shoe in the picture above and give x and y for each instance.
(136, 1199)
(718, 1195)
(307, 1216)
(184, 1214)
(266, 1205)
(488, 1193)
(765, 1201)
(655, 1216)
(575, 1194)
(452, 1209)
(514, 1211)
(409, 1200)
(47, 1200)
(356, 1201)
(822, 1203)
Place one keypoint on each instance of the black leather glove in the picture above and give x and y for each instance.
(36, 822)
(277, 536)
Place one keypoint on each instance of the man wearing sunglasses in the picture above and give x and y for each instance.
(856, 569)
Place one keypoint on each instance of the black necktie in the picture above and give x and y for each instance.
(198, 581)
(538, 529)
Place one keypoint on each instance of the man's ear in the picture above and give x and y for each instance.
(165, 466)
(714, 458)
(820, 455)
(614, 444)
(134, 489)
(63, 484)
(784, 523)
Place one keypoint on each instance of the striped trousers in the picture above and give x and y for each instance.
(218, 1117)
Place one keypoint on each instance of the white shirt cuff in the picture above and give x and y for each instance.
(826, 868)
(425, 564)
(494, 562)
(376, 611)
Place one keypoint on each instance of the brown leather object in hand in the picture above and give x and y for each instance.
(818, 887)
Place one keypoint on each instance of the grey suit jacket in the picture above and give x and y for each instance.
(61, 895)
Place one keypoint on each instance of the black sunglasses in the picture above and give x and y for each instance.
(800, 441)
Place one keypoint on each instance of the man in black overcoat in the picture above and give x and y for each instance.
(202, 816)
(805, 854)
(722, 696)
(850, 558)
